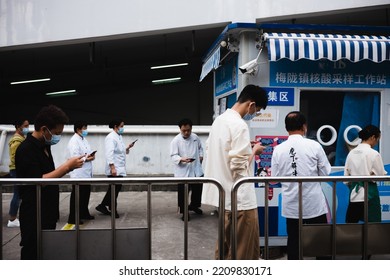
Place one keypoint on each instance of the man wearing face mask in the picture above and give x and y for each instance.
(115, 152)
(21, 130)
(78, 145)
(33, 159)
(229, 157)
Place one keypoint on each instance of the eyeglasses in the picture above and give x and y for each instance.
(258, 113)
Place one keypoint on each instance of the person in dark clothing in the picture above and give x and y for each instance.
(33, 159)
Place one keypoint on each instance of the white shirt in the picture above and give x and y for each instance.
(78, 146)
(299, 156)
(228, 150)
(363, 161)
(115, 151)
(189, 148)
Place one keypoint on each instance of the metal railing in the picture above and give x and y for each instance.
(300, 181)
(149, 182)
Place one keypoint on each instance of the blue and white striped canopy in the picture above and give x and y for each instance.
(295, 46)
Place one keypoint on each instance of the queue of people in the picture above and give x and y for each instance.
(229, 154)
(31, 157)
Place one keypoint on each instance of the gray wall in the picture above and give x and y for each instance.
(149, 156)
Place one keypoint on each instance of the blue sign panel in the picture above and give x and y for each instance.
(280, 96)
(226, 77)
(330, 74)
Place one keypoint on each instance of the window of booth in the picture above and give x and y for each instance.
(331, 113)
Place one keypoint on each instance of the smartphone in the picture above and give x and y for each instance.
(134, 141)
(93, 153)
(191, 159)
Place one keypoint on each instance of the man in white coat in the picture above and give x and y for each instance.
(187, 155)
(299, 156)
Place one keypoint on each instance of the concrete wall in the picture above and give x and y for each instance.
(45, 21)
(149, 156)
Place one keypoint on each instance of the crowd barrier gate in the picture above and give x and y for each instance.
(131, 243)
(324, 239)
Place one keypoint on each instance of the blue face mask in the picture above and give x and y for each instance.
(121, 130)
(54, 139)
(84, 132)
(25, 131)
(249, 117)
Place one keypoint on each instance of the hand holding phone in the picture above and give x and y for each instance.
(131, 145)
(92, 154)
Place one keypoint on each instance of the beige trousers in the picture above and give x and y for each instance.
(248, 246)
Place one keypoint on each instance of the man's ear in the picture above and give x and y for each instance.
(43, 129)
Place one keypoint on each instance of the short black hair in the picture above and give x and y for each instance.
(115, 122)
(255, 94)
(185, 121)
(294, 121)
(79, 125)
(50, 116)
(18, 122)
(368, 131)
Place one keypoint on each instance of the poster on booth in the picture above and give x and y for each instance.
(263, 161)
(268, 119)
(263, 169)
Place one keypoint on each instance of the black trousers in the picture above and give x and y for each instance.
(28, 217)
(293, 235)
(84, 194)
(107, 198)
(196, 195)
(355, 211)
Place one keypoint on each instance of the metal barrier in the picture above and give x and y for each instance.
(323, 239)
(50, 239)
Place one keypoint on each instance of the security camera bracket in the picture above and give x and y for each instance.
(251, 66)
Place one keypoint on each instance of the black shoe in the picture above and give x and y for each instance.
(103, 209)
(116, 213)
(196, 210)
(88, 217)
(182, 218)
(73, 222)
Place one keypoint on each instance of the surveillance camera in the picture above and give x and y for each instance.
(249, 67)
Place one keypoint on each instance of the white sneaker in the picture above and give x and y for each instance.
(14, 223)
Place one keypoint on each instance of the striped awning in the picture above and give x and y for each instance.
(295, 46)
